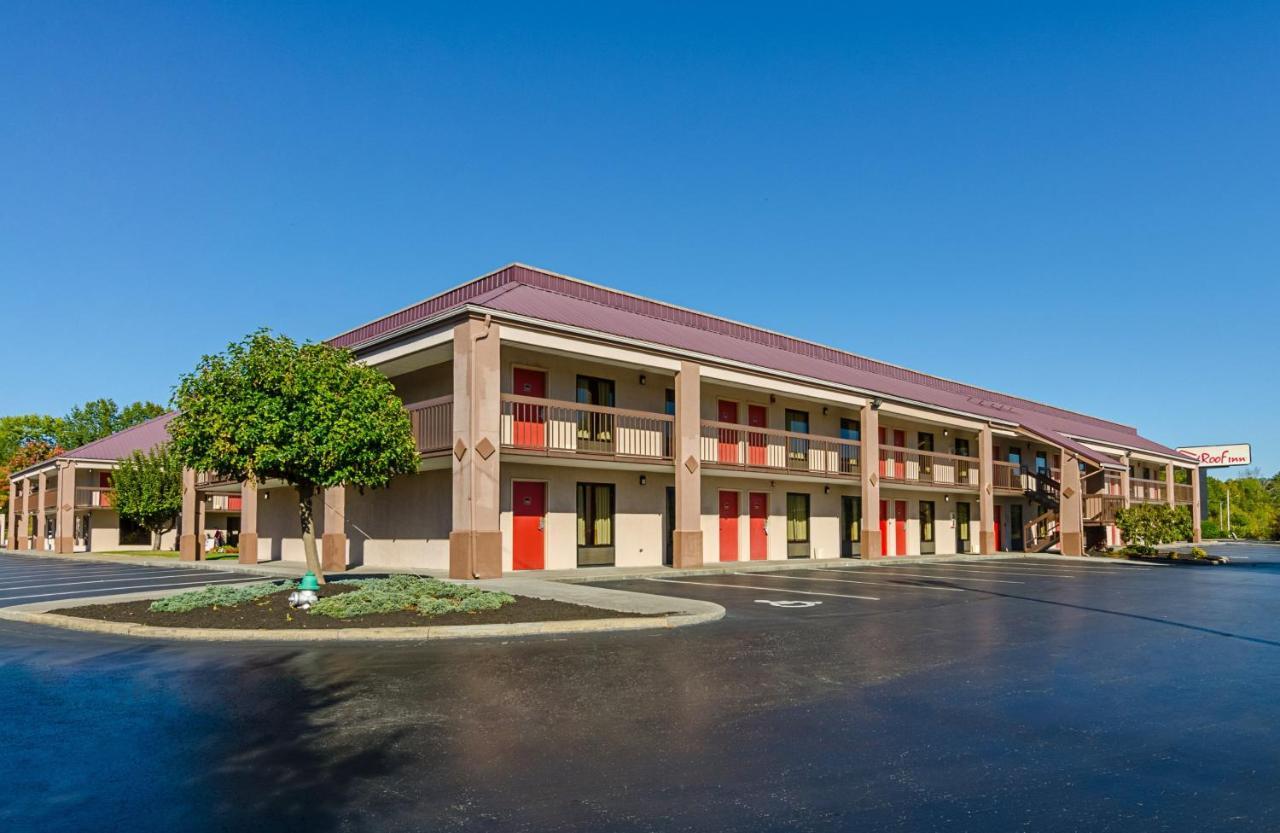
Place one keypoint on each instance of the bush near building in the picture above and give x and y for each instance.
(1148, 524)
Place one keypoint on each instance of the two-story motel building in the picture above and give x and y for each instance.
(563, 425)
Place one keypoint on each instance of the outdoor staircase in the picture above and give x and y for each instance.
(1031, 532)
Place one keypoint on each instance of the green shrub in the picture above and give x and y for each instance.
(1197, 552)
(427, 596)
(1148, 524)
(215, 596)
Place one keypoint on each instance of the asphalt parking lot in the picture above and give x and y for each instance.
(1031, 695)
(25, 579)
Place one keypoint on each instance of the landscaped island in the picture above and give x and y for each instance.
(395, 601)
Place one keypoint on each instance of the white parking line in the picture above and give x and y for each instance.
(4, 579)
(766, 589)
(790, 577)
(114, 590)
(90, 581)
(896, 571)
(1075, 568)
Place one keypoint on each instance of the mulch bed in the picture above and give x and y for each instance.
(273, 613)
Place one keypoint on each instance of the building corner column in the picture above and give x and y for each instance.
(334, 542)
(248, 544)
(869, 454)
(64, 524)
(25, 538)
(41, 523)
(1126, 488)
(1071, 507)
(12, 535)
(1168, 486)
(475, 542)
(686, 543)
(191, 544)
(987, 544)
(1195, 506)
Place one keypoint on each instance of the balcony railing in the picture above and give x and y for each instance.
(432, 424)
(209, 478)
(93, 497)
(1146, 491)
(1183, 493)
(551, 427)
(1102, 508)
(768, 449)
(1007, 477)
(904, 465)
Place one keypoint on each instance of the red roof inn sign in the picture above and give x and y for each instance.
(1212, 456)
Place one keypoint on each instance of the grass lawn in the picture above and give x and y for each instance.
(209, 556)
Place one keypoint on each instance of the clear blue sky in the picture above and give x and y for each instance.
(1076, 204)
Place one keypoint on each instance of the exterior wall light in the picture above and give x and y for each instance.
(643, 378)
(876, 403)
(644, 480)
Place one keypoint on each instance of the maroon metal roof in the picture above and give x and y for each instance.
(141, 437)
(534, 293)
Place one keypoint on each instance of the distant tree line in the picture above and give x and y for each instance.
(1255, 506)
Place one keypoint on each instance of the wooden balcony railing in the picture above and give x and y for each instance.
(1146, 491)
(548, 426)
(1007, 477)
(768, 449)
(1183, 493)
(1102, 508)
(209, 478)
(432, 424)
(904, 465)
(93, 497)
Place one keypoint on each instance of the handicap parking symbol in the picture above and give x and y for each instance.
(787, 603)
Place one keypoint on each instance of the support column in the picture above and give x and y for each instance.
(191, 545)
(869, 452)
(248, 523)
(1195, 506)
(686, 544)
(43, 489)
(334, 543)
(12, 540)
(1126, 489)
(1071, 507)
(986, 497)
(26, 515)
(65, 527)
(1168, 485)
(475, 543)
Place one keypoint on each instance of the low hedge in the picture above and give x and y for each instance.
(427, 596)
(215, 596)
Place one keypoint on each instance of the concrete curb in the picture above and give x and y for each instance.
(415, 634)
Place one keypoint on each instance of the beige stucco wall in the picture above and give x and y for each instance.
(562, 378)
(425, 383)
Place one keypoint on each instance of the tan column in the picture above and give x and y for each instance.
(43, 484)
(869, 451)
(334, 543)
(1168, 485)
(475, 543)
(1195, 506)
(191, 545)
(248, 523)
(26, 515)
(686, 544)
(1071, 508)
(12, 538)
(986, 495)
(1126, 489)
(65, 530)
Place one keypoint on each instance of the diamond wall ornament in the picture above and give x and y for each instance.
(874, 480)
(459, 448)
(485, 448)
(1068, 493)
(691, 464)
(988, 488)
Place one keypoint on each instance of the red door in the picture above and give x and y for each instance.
(728, 526)
(900, 527)
(529, 420)
(728, 412)
(884, 527)
(757, 453)
(997, 519)
(759, 506)
(899, 459)
(529, 525)
(103, 496)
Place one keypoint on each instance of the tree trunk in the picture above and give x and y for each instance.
(306, 493)
(155, 540)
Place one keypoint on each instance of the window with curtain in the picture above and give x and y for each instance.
(595, 524)
(595, 430)
(926, 521)
(797, 449)
(797, 518)
(962, 527)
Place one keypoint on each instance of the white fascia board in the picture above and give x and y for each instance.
(594, 348)
(920, 415)
(408, 348)
(1142, 453)
(747, 380)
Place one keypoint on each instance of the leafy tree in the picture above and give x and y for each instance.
(310, 415)
(25, 455)
(1255, 507)
(1146, 524)
(147, 489)
(100, 418)
(16, 431)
